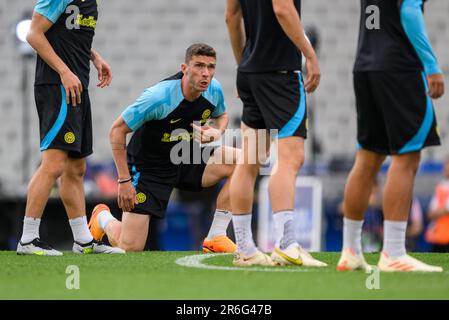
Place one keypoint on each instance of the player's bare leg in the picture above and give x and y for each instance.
(397, 200)
(220, 166)
(130, 234)
(72, 188)
(39, 188)
(355, 202)
(360, 183)
(242, 196)
(51, 168)
(282, 182)
(72, 195)
(281, 188)
(134, 231)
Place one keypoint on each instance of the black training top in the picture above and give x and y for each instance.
(393, 37)
(161, 118)
(71, 36)
(267, 47)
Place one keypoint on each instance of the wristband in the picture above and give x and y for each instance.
(121, 181)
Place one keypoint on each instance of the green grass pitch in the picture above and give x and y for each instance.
(156, 275)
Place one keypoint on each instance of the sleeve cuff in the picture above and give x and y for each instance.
(430, 70)
(127, 120)
(45, 14)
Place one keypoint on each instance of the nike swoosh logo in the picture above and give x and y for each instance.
(289, 259)
(174, 121)
(38, 253)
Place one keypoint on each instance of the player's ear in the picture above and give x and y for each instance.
(184, 68)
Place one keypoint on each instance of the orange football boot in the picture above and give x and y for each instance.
(94, 226)
(220, 244)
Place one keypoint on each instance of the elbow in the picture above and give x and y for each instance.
(30, 38)
(229, 18)
(112, 132)
(280, 9)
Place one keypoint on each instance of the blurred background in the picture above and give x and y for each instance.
(144, 41)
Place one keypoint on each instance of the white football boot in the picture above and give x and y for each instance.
(295, 255)
(38, 248)
(96, 247)
(350, 261)
(404, 263)
(257, 259)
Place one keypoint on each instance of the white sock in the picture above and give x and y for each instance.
(80, 230)
(284, 229)
(394, 238)
(352, 234)
(243, 234)
(219, 224)
(104, 217)
(30, 229)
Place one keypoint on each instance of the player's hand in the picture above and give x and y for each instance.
(436, 85)
(313, 74)
(205, 134)
(73, 87)
(104, 72)
(126, 199)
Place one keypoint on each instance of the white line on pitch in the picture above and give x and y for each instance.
(196, 261)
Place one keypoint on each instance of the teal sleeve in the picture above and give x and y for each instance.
(144, 109)
(51, 9)
(412, 19)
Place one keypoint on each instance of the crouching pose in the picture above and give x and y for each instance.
(170, 119)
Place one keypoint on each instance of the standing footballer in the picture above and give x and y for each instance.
(396, 76)
(62, 32)
(267, 38)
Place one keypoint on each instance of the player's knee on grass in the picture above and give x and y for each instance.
(131, 245)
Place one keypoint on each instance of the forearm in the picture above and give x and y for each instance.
(117, 139)
(93, 55)
(236, 35)
(220, 123)
(290, 22)
(43, 48)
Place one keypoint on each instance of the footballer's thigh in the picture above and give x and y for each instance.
(221, 165)
(134, 231)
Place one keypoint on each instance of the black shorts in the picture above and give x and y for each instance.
(275, 100)
(154, 186)
(62, 126)
(394, 112)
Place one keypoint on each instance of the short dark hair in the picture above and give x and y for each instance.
(200, 49)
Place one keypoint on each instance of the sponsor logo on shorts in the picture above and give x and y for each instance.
(141, 197)
(438, 131)
(69, 137)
